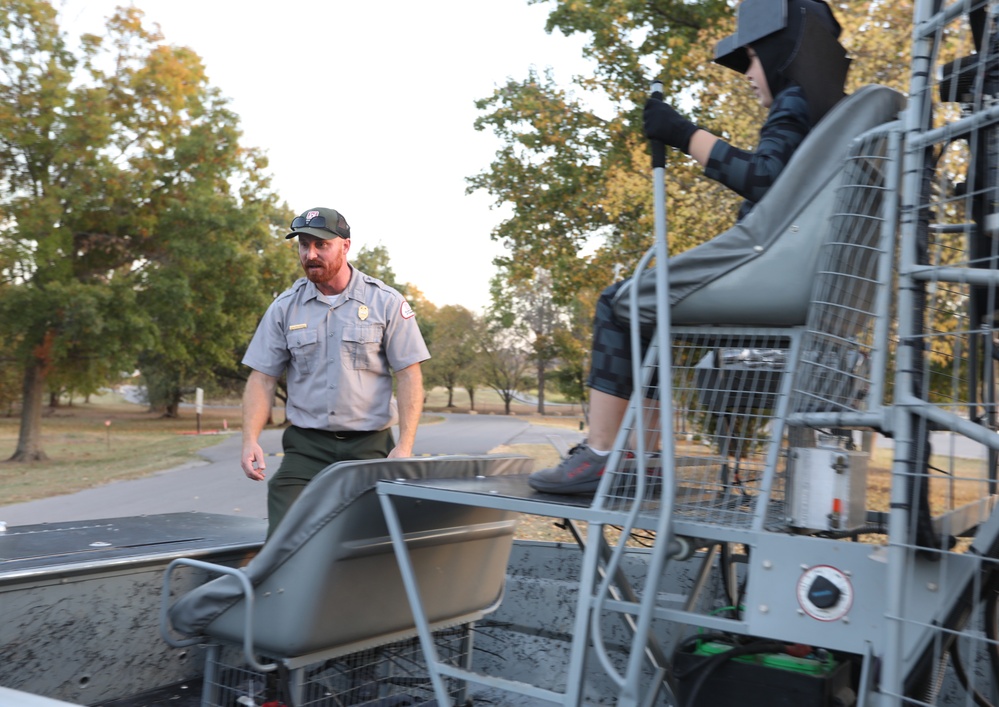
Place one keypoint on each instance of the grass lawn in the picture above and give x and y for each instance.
(106, 439)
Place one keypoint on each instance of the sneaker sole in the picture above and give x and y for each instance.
(563, 488)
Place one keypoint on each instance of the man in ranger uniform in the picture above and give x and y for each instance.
(339, 334)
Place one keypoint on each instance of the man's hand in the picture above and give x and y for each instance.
(253, 462)
(401, 452)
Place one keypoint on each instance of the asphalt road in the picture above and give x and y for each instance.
(216, 483)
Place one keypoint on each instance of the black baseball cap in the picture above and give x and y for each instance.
(321, 223)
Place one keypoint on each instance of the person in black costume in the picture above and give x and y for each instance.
(789, 51)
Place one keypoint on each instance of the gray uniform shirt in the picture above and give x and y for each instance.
(339, 352)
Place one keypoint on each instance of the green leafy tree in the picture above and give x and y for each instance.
(573, 174)
(112, 162)
(505, 358)
(207, 293)
(10, 383)
(574, 169)
(471, 378)
(374, 261)
(572, 350)
(454, 351)
(533, 306)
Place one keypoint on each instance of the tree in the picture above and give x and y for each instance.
(575, 175)
(115, 164)
(454, 351)
(470, 378)
(505, 359)
(572, 346)
(573, 169)
(531, 304)
(9, 381)
(374, 261)
(207, 295)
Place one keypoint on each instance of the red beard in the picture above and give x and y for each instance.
(321, 272)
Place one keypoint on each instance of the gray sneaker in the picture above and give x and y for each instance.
(579, 472)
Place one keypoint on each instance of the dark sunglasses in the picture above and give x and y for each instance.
(314, 222)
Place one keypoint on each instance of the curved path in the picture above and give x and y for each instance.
(217, 484)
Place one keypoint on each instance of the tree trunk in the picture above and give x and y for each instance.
(450, 396)
(29, 448)
(172, 410)
(471, 398)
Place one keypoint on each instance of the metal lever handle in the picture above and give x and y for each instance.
(658, 147)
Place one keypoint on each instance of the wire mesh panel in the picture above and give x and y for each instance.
(728, 386)
(393, 674)
(727, 383)
(849, 300)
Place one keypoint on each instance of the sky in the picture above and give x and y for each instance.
(368, 107)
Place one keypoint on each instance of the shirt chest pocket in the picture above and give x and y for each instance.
(303, 345)
(362, 347)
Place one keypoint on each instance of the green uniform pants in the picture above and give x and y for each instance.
(307, 452)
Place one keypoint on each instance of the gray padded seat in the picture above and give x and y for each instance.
(761, 271)
(327, 581)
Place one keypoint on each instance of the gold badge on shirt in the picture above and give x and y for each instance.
(362, 312)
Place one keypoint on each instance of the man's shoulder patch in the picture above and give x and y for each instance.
(406, 311)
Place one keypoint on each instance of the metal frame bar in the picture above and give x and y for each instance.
(909, 406)
(435, 667)
(586, 602)
(248, 597)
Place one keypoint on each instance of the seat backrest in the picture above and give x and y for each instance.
(851, 294)
(328, 576)
(761, 271)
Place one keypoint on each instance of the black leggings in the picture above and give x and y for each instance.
(610, 365)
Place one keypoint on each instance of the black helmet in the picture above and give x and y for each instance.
(777, 30)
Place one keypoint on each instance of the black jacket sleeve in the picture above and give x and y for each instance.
(751, 174)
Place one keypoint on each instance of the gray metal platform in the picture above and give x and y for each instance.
(510, 493)
(91, 590)
(47, 548)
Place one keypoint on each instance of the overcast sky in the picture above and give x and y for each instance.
(368, 107)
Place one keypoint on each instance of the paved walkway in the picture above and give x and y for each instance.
(216, 483)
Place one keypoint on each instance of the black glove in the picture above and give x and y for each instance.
(664, 124)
